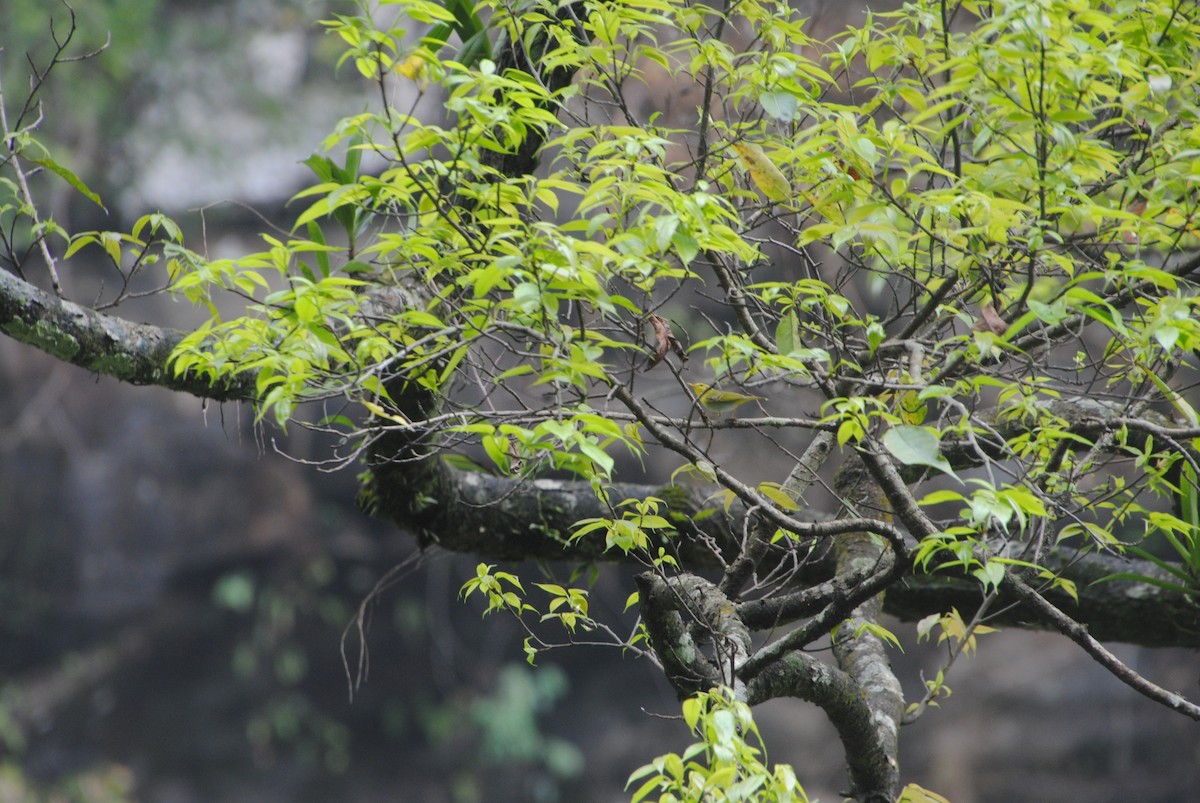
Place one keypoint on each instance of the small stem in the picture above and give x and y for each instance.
(1078, 633)
(10, 143)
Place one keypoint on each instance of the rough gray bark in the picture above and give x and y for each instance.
(874, 771)
(132, 352)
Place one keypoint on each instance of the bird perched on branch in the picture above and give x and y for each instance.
(716, 400)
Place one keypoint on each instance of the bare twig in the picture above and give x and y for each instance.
(1079, 634)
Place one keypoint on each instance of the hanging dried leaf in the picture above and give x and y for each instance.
(664, 341)
(990, 321)
(1137, 207)
(766, 176)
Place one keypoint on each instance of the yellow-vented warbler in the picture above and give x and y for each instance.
(716, 400)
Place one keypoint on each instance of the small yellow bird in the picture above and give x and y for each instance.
(716, 400)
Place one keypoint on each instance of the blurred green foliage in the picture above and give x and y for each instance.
(112, 783)
(508, 726)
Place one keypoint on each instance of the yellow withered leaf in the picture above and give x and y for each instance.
(378, 411)
(414, 66)
(766, 176)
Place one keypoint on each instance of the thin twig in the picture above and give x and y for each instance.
(1078, 633)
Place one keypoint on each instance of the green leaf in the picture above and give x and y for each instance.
(941, 496)
(917, 446)
(787, 334)
(777, 495)
(322, 167)
(880, 632)
(692, 708)
(69, 177)
(780, 105)
(991, 574)
(769, 179)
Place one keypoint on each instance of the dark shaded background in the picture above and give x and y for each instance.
(174, 585)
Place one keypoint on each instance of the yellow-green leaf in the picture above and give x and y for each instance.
(766, 176)
(777, 495)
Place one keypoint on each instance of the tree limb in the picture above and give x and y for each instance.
(800, 675)
(1079, 634)
(668, 605)
(132, 352)
(1111, 610)
(490, 523)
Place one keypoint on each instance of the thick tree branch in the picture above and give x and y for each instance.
(1111, 610)
(132, 352)
(492, 523)
(863, 657)
(779, 609)
(861, 654)
(514, 520)
(839, 607)
(800, 675)
(668, 605)
(1083, 416)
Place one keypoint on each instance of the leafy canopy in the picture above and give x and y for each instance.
(950, 205)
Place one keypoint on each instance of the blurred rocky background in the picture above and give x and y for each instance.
(177, 586)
